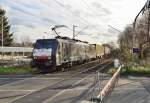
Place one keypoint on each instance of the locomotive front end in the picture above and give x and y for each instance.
(44, 53)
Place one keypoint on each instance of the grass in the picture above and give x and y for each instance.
(111, 71)
(16, 70)
(140, 71)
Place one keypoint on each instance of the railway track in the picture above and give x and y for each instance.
(5, 79)
(60, 86)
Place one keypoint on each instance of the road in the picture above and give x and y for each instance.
(58, 87)
(131, 90)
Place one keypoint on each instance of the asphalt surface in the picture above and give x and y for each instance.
(58, 87)
(71, 86)
(131, 90)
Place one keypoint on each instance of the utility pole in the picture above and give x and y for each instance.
(148, 36)
(134, 42)
(2, 32)
(74, 31)
(121, 49)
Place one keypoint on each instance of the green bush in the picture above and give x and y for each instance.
(15, 70)
(111, 71)
(142, 71)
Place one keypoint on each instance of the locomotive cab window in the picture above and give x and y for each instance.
(45, 44)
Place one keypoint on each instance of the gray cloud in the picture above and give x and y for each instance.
(66, 6)
(100, 8)
(50, 21)
(23, 11)
(30, 26)
(83, 33)
(37, 15)
(77, 13)
(112, 31)
(107, 35)
(96, 5)
(95, 37)
(106, 10)
(86, 14)
(16, 21)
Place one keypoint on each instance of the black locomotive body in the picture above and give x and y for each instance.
(60, 52)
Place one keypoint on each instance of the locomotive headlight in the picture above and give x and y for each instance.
(49, 57)
(35, 57)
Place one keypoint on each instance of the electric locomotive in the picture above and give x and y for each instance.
(60, 52)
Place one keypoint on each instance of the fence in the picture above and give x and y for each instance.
(15, 55)
(15, 49)
(107, 89)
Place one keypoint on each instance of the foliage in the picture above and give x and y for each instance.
(146, 52)
(140, 70)
(125, 41)
(143, 71)
(15, 70)
(8, 39)
(111, 71)
(140, 33)
(115, 53)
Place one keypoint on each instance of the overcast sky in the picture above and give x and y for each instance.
(31, 18)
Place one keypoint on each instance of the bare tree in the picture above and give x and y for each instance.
(125, 41)
(26, 41)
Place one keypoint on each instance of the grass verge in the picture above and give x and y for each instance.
(140, 71)
(16, 70)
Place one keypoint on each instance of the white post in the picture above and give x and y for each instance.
(2, 32)
(74, 31)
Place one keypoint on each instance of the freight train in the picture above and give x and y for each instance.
(63, 52)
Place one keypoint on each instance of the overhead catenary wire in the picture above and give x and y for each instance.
(83, 20)
(25, 12)
(89, 7)
(59, 10)
(87, 22)
(70, 12)
(31, 14)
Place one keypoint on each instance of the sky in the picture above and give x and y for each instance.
(33, 19)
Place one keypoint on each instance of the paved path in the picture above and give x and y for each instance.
(131, 90)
